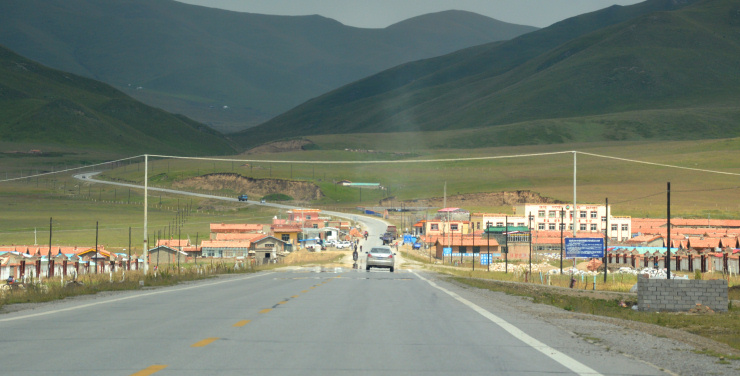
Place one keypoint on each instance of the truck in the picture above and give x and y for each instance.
(387, 238)
(243, 198)
(392, 229)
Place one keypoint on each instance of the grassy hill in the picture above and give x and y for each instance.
(618, 73)
(196, 60)
(43, 106)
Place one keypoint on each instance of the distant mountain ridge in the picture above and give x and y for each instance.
(39, 105)
(656, 55)
(227, 69)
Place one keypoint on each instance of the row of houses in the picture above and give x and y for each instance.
(22, 262)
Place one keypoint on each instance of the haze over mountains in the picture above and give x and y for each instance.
(227, 69)
(658, 69)
(43, 106)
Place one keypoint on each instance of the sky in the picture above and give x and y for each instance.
(382, 13)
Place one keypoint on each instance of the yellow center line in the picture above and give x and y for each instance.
(242, 323)
(283, 302)
(304, 291)
(204, 342)
(150, 370)
(294, 296)
(266, 310)
(313, 287)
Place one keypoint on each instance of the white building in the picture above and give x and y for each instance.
(589, 218)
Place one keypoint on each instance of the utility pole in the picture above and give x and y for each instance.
(668, 230)
(606, 241)
(562, 227)
(96, 247)
(146, 203)
(506, 241)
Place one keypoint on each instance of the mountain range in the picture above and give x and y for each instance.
(43, 106)
(229, 70)
(657, 69)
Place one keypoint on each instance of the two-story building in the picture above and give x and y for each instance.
(588, 218)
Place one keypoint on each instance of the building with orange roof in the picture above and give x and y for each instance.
(287, 233)
(465, 245)
(225, 248)
(243, 228)
(300, 215)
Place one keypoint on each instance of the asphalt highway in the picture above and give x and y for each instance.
(297, 321)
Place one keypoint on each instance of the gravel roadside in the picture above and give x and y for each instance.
(668, 350)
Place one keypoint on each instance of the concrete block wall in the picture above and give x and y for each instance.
(677, 295)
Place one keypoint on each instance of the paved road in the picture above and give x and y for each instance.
(297, 321)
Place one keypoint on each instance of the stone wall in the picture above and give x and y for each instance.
(680, 294)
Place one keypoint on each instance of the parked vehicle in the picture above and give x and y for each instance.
(380, 257)
(243, 198)
(387, 238)
(262, 201)
(343, 245)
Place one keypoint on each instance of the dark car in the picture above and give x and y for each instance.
(243, 197)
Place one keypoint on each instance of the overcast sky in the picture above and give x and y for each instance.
(381, 13)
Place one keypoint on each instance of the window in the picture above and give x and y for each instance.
(583, 227)
(285, 237)
(453, 227)
(625, 228)
(593, 227)
(462, 249)
(308, 217)
(540, 226)
(520, 224)
(477, 225)
(593, 214)
(476, 249)
(570, 227)
(562, 226)
(582, 213)
(500, 224)
(268, 245)
(434, 227)
(541, 214)
(315, 225)
(614, 227)
(603, 218)
(551, 226)
(552, 213)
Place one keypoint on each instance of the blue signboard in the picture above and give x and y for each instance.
(447, 251)
(584, 247)
(485, 259)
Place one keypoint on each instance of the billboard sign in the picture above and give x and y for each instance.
(584, 247)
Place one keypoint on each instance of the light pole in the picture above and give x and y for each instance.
(562, 226)
(531, 217)
(488, 238)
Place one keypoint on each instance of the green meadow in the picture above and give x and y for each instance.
(633, 189)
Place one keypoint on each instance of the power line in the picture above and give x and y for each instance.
(660, 164)
(68, 169)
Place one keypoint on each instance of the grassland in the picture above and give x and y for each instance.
(633, 189)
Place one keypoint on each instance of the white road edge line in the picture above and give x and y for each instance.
(129, 297)
(555, 355)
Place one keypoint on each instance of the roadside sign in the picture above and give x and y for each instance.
(447, 251)
(485, 259)
(584, 247)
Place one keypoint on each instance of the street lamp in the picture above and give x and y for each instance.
(531, 217)
(488, 237)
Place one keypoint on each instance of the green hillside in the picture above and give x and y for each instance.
(39, 105)
(227, 69)
(585, 82)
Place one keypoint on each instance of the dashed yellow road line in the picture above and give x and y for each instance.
(294, 296)
(266, 310)
(304, 291)
(150, 370)
(283, 302)
(242, 323)
(204, 342)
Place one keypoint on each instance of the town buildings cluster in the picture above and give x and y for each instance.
(260, 243)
